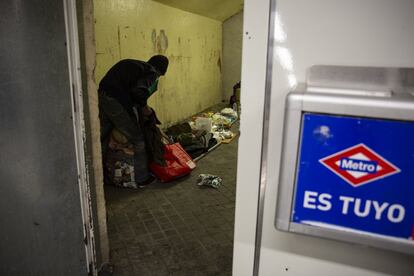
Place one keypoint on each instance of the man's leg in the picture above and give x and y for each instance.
(121, 120)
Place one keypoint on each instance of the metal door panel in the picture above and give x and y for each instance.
(40, 214)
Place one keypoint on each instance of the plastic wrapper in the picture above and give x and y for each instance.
(203, 123)
(209, 180)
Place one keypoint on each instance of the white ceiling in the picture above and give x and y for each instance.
(215, 9)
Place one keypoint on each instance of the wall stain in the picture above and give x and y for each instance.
(119, 42)
(154, 40)
(162, 42)
(159, 42)
(219, 63)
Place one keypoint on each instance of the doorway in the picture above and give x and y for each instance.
(176, 227)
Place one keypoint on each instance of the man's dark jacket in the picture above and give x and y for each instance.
(128, 82)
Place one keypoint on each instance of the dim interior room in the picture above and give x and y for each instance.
(177, 226)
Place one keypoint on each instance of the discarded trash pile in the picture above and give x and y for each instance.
(204, 132)
(174, 156)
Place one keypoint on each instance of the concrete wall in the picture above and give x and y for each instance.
(232, 51)
(141, 28)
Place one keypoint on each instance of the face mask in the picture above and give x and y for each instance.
(153, 87)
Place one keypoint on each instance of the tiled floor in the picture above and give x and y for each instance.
(176, 228)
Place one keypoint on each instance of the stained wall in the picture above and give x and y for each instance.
(232, 53)
(141, 28)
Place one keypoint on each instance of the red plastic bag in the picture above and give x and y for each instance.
(178, 164)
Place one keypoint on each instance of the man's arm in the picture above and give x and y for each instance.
(139, 95)
(147, 110)
(143, 89)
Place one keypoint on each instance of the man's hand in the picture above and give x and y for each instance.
(147, 110)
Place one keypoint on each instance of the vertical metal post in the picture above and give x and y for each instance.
(265, 135)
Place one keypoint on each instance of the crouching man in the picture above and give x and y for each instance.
(123, 94)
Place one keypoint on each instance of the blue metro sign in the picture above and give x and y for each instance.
(356, 174)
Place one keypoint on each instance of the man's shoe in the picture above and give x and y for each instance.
(150, 180)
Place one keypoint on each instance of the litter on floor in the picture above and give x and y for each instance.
(176, 228)
(185, 225)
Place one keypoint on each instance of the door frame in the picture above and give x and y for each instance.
(72, 44)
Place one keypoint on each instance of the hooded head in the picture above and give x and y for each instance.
(160, 63)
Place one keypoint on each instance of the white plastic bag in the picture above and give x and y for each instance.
(202, 123)
(229, 112)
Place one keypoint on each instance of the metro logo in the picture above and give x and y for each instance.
(359, 165)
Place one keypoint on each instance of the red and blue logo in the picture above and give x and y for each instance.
(359, 165)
